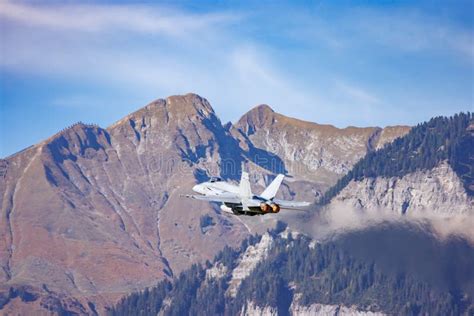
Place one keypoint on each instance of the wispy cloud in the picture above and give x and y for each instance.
(260, 78)
(400, 30)
(101, 18)
(76, 101)
(358, 94)
(412, 31)
(88, 41)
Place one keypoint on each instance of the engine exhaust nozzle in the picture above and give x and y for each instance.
(275, 208)
(265, 207)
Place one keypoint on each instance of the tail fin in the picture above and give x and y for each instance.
(245, 190)
(272, 189)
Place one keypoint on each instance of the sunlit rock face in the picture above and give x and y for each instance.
(438, 191)
(309, 151)
(330, 310)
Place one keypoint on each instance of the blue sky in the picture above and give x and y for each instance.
(362, 63)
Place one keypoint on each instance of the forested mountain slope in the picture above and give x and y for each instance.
(296, 275)
(423, 148)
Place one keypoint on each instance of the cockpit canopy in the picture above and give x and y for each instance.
(215, 179)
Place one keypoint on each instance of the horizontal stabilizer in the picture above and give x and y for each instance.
(293, 205)
(270, 192)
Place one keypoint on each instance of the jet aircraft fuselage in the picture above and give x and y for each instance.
(240, 200)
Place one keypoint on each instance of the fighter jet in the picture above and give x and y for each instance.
(239, 200)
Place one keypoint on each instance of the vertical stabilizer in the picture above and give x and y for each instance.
(270, 192)
(245, 190)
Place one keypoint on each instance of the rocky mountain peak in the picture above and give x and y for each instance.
(308, 150)
(260, 116)
(181, 124)
(174, 110)
(262, 108)
(78, 129)
(189, 104)
(85, 140)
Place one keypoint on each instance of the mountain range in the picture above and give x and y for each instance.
(91, 215)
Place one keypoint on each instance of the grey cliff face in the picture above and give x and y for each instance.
(433, 192)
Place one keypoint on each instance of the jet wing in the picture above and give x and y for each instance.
(292, 205)
(222, 198)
